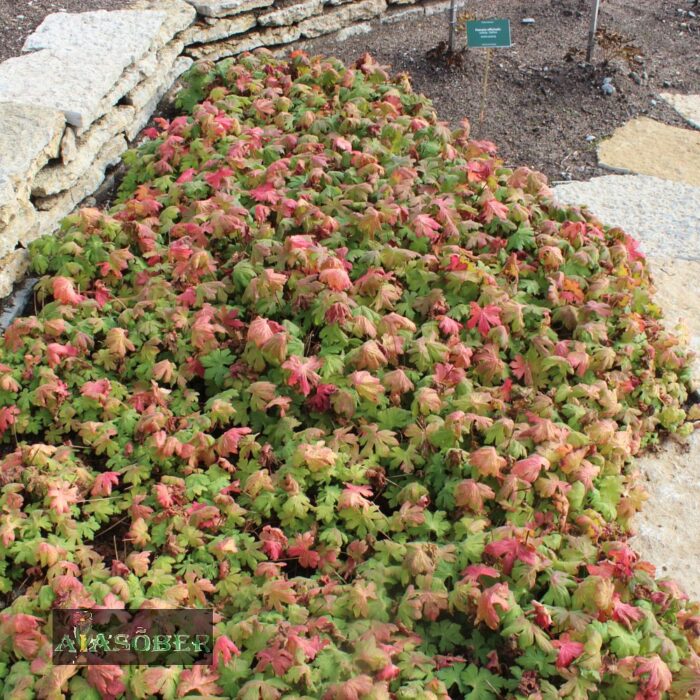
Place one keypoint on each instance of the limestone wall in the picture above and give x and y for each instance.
(88, 83)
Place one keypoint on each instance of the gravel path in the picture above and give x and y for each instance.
(663, 215)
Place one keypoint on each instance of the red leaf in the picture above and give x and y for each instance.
(484, 318)
(302, 372)
(509, 551)
(102, 486)
(494, 597)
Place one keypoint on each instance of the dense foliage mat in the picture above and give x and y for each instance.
(339, 374)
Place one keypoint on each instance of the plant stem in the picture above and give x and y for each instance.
(592, 31)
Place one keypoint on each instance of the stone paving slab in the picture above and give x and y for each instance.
(649, 147)
(667, 532)
(663, 215)
(29, 137)
(688, 106)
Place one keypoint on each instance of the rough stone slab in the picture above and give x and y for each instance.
(156, 90)
(142, 94)
(663, 215)
(12, 267)
(224, 8)
(8, 201)
(221, 29)
(29, 137)
(95, 33)
(436, 8)
(291, 14)
(248, 42)
(84, 80)
(180, 15)
(54, 179)
(649, 147)
(401, 15)
(341, 17)
(53, 209)
(72, 83)
(354, 30)
(688, 106)
(23, 229)
(9, 238)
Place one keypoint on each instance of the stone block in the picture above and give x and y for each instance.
(226, 8)
(29, 137)
(333, 20)
(155, 89)
(8, 200)
(291, 14)
(53, 209)
(54, 179)
(135, 31)
(436, 8)
(353, 30)
(12, 267)
(180, 15)
(221, 29)
(142, 94)
(22, 230)
(400, 15)
(73, 83)
(248, 42)
(78, 68)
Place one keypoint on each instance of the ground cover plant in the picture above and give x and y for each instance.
(332, 370)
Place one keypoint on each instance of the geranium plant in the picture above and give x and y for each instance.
(334, 371)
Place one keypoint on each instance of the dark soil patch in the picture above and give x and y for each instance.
(543, 100)
(19, 18)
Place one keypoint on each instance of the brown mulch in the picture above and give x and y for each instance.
(19, 18)
(542, 99)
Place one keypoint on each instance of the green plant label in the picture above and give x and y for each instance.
(488, 34)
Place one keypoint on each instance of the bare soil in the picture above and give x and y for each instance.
(544, 105)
